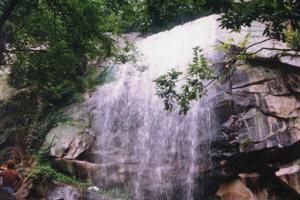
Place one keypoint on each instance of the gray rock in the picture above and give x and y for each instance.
(69, 140)
(265, 110)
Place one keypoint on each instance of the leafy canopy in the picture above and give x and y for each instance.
(52, 41)
(163, 13)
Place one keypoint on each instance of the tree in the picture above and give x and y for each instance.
(49, 44)
(162, 13)
(282, 20)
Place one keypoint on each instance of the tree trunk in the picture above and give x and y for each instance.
(7, 12)
(11, 5)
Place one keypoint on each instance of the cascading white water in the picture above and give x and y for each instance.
(150, 152)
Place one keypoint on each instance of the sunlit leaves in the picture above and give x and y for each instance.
(292, 37)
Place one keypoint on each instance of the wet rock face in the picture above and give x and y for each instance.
(264, 110)
(260, 131)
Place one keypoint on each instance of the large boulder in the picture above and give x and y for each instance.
(69, 140)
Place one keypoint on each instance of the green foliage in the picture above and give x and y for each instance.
(293, 38)
(164, 12)
(25, 124)
(131, 15)
(42, 124)
(16, 116)
(53, 42)
(51, 46)
(127, 53)
(145, 15)
(277, 15)
(234, 52)
(282, 22)
(165, 88)
(44, 172)
(192, 86)
(192, 82)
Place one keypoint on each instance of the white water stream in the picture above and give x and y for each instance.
(153, 153)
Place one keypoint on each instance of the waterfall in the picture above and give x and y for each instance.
(152, 153)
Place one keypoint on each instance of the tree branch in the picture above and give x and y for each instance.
(260, 42)
(25, 50)
(270, 49)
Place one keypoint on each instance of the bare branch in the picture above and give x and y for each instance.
(270, 49)
(25, 50)
(254, 44)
